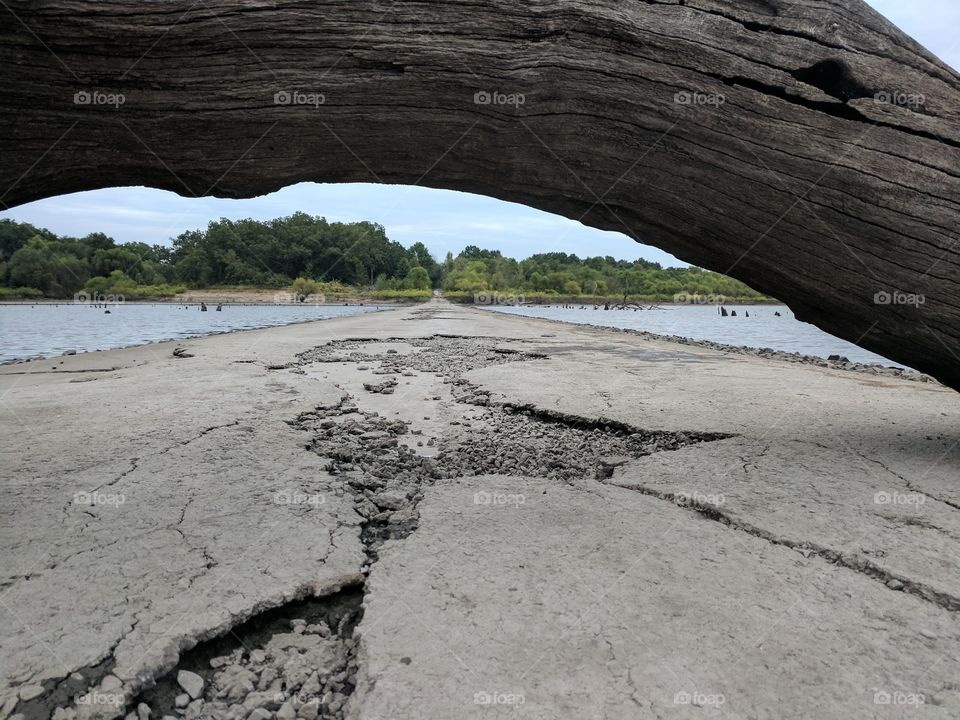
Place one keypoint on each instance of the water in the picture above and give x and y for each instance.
(701, 322)
(48, 330)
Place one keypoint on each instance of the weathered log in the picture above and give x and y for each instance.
(810, 149)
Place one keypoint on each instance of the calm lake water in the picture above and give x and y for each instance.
(31, 330)
(48, 330)
(701, 322)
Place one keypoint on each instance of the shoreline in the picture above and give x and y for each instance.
(766, 353)
(746, 350)
(399, 302)
(37, 358)
(197, 303)
(346, 483)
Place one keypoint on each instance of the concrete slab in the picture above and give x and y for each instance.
(598, 602)
(152, 502)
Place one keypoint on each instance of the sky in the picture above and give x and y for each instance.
(443, 220)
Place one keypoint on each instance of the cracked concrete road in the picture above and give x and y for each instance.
(805, 567)
(592, 601)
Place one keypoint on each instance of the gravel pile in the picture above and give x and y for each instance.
(553, 446)
(384, 475)
(446, 356)
(294, 662)
(387, 477)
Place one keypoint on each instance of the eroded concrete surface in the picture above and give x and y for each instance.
(439, 512)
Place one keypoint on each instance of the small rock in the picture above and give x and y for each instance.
(337, 703)
(312, 686)
(258, 656)
(286, 711)
(894, 584)
(194, 710)
(309, 711)
(319, 628)
(191, 682)
(391, 499)
(143, 711)
(29, 692)
(234, 683)
(260, 714)
(267, 677)
(182, 700)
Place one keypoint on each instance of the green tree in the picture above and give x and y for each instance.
(304, 288)
(421, 256)
(417, 279)
(43, 265)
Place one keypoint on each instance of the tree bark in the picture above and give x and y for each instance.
(809, 149)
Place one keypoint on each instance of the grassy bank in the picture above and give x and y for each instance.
(490, 297)
(322, 293)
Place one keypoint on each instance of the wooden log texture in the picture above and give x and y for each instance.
(810, 149)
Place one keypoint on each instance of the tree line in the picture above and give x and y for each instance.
(557, 273)
(310, 250)
(35, 261)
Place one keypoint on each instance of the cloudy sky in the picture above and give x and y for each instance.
(443, 220)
